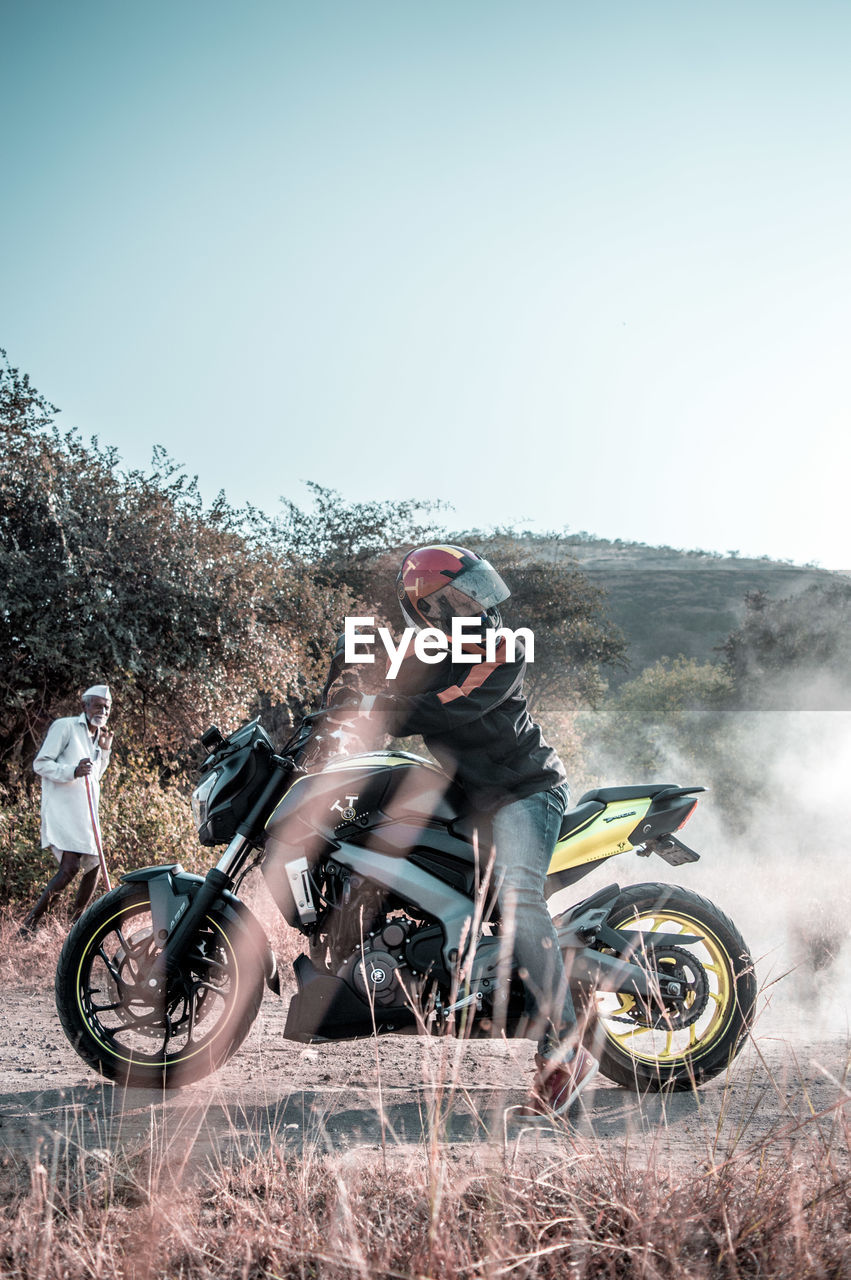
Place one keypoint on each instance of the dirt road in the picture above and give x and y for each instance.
(782, 1093)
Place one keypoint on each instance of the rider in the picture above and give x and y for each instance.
(474, 719)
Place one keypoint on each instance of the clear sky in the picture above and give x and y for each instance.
(559, 264)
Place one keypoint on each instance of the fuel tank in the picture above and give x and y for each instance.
(384, 797)
(352, 790)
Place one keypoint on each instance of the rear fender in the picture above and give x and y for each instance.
(631, 941)
(171, 889)
(576, 925)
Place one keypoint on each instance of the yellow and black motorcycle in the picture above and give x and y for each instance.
(375, 860)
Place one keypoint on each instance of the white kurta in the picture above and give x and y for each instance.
(66, 823)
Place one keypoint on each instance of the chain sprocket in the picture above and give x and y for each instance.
(670, 964)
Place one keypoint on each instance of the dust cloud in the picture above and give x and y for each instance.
(774, 854)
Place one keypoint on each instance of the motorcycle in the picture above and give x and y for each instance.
(375, 858)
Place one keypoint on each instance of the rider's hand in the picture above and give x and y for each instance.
(344, 704)
(83, 768)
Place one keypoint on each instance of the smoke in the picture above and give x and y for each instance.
(773, 841)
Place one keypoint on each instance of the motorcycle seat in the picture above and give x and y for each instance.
(574, 818)
(609, 795)
(468, 823)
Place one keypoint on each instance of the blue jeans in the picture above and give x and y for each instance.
(524, 836)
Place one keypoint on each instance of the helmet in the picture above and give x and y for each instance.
(438, 583)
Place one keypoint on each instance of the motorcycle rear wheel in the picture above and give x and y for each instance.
(151, 1034)
(648, 1046)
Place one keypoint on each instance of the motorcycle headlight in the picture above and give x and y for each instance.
(200, 796)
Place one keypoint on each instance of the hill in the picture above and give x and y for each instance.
(669, 601)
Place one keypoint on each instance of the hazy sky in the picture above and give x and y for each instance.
(559, 264)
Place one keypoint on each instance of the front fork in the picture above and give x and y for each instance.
(219, 879)
(180, 902)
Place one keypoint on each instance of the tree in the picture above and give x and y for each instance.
(187, 611)
(794, 652)
(672, 711)
(196, 612)
(349, 544)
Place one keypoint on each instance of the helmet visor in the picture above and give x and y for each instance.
(479, 583)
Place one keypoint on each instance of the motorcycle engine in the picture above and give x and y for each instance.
(378, 970)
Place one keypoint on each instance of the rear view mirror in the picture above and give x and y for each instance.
(339, 659)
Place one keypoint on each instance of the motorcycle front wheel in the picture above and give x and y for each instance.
(662, 1043)
(130, 1024)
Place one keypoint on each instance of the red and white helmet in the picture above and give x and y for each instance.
(438, 583)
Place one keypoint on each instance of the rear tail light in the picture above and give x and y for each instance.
(689, 811)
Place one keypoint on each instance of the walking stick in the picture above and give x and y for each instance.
(96, 830)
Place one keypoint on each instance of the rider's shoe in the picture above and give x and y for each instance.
(557, 1085)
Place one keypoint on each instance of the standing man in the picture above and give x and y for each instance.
(71, 763)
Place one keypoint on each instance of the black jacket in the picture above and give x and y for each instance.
(475, 722)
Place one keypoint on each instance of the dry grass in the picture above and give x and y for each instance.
(105, 1214)
(776, 1205)
(30, 959)
(752, 1206)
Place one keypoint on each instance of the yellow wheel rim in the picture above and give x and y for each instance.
(668, 1044)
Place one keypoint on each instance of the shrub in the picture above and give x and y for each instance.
(143, 820)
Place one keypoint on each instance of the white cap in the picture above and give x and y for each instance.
(98, 691)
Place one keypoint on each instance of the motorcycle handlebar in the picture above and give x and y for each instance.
(350, 704)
